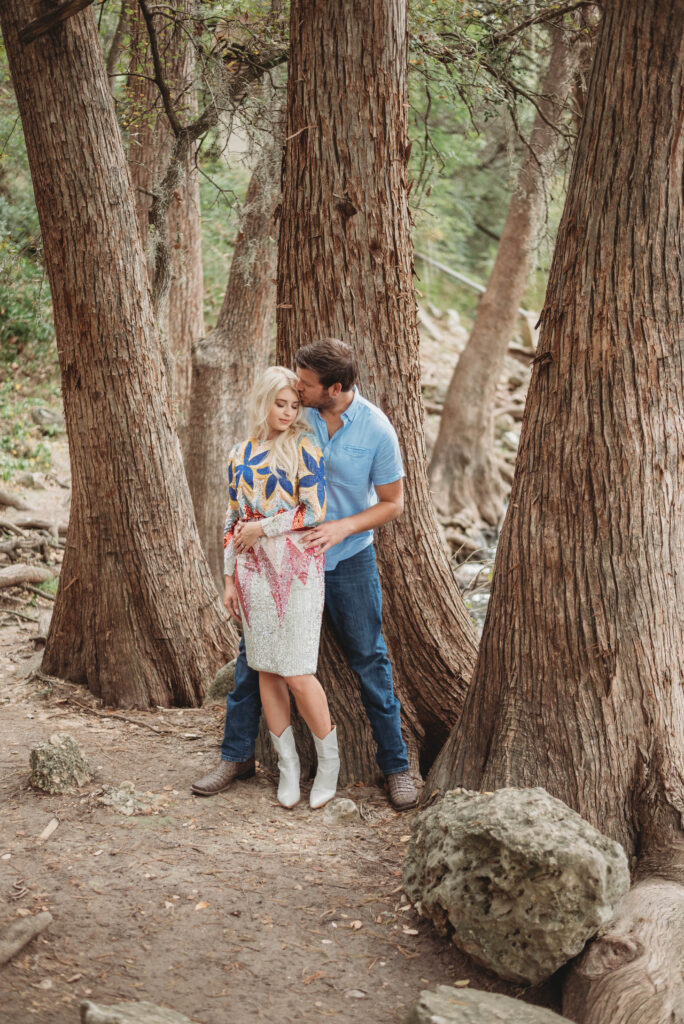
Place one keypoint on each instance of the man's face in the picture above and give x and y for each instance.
(311, 392)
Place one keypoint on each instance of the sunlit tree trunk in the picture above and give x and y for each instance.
(226, 363)
(137, 618)
(345, 269)
(579, 681)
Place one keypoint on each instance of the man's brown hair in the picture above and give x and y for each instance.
(333, 361)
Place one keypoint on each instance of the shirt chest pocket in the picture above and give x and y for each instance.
(353, 465)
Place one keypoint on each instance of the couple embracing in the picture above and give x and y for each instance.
(320, 470)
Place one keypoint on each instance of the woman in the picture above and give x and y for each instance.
(276, 487)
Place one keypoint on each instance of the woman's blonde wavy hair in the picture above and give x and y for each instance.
(284, 454)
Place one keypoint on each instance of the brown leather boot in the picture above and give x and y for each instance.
(222, 776)
(402, 793)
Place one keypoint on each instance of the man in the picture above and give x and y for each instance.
(364, 490)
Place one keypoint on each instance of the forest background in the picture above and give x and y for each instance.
(568, 675)
(464, 162)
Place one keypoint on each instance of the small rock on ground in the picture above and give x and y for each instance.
(17, 934)
(58, 766)
(340, 810)
(520, 880)
(448, 1005)
(128, 800)
(130, 1013)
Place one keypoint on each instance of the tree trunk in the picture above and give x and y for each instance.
(227, 362)
(181, 317)
(464, 473)
(136, 616)
(578, 684)
(345, 269)
(117, 43)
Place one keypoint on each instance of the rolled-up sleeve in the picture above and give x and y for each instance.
(387, 464)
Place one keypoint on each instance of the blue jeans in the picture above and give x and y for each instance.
(353, 600)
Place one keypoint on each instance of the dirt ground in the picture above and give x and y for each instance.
(227, 909)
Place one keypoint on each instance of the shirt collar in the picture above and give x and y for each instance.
(349, 413)
(352, 409)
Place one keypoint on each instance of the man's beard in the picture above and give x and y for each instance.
(325, 402)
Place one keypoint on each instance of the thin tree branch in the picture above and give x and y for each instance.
(545, 15)
(45, 22)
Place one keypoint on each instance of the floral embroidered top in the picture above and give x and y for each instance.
(256, 490)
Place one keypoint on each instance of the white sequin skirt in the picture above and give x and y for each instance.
(280, 586)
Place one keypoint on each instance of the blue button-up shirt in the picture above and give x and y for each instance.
(362, 454)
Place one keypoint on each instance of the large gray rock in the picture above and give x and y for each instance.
(447, 1005)
(58, 766)
(223, 683)
(519, 880)
(130, 1013)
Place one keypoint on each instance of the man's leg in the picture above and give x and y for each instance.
(353, 599)
(243, 708)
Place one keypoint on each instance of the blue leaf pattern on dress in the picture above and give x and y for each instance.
(316, 477)
(276, 478)
(245, 470)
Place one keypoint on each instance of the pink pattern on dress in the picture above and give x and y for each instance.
(295, 565)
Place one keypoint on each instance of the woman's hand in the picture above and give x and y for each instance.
(246, 535)
(230, 598)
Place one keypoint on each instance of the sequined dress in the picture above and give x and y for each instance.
(279, 583)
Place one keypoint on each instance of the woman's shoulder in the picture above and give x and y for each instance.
(308, 443)
(238, 450)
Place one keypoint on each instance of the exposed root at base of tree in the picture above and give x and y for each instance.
(632, 973)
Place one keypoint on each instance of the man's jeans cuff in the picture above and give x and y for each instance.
(395, 767)
(239, 757)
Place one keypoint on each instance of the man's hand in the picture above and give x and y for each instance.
(326, 535)
(230, 599)
(246, 535)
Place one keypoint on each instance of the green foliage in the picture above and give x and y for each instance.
(49, 586)
(22, 443)
(25, 308)
(472, 87)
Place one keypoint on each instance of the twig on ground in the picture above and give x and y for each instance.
(38, 591)
(52, 680)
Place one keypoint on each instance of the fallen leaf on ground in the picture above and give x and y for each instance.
(49, 829)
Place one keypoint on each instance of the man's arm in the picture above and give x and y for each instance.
(390, 505)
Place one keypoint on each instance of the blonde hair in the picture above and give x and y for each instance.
(284, 453)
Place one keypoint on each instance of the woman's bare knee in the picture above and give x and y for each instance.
(298, 684)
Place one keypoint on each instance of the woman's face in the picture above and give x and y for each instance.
(284, 410)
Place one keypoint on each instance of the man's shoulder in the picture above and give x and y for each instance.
(374, 415)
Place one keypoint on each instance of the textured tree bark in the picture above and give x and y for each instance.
(578, 684)
(464, 473)
(345, 269)
(181, 317)
(136, 615)
(226, 363)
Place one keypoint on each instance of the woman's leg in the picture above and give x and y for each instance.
(313, 707)
(312, 703)
(275, 700)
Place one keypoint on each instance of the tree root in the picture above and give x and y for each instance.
(632, 973)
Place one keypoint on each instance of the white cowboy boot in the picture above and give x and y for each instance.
(328, 769)
(288, 764)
